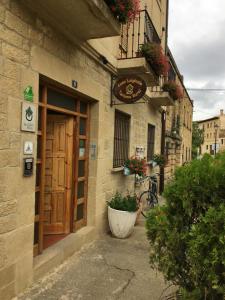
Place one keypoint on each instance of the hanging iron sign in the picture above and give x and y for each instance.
(129, 89)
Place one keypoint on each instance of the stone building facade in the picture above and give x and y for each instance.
(178, 136)
(57, 66)
(214, 134)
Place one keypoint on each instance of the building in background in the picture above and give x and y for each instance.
(214, 134)
(64, 135)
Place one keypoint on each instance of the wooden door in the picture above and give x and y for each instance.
(58, 174)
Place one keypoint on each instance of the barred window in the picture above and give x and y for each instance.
(212, 149)
(171, 74)
(121, 138)
(150, 142)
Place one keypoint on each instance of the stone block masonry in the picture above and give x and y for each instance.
(15, 235)
(30, 48)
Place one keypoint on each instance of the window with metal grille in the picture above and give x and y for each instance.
(212, 149)
(151, 142)
(121, 138)
(171, 74)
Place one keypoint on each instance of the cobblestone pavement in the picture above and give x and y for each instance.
(106, 269)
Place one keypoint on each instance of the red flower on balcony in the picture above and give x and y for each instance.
(153, 53)
(113, 8)
(124, 10)
(136, 165)
(174, 89)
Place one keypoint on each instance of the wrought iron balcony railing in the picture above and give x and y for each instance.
(137, 33)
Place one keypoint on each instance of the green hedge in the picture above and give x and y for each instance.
(187, 234)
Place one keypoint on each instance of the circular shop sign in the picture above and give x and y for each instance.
(129, 89)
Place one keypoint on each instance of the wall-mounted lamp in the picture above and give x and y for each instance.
(103, 59)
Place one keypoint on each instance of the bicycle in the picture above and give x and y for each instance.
(149, 198)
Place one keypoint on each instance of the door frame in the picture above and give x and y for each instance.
(43, 107)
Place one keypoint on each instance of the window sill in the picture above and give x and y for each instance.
(116, 170)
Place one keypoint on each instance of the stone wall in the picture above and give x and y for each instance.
(186, 129)
(16, 192)
(176, 153)
(28, 48)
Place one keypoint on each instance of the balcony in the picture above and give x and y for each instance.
(77, 19)
(133, 36)
(173, 137)
(158, 97)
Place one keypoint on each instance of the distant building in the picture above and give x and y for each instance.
(214, 134)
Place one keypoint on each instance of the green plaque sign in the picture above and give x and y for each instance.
(28, 93)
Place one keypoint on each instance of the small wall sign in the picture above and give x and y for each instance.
(140, 151)
(28, 94)
(28, 148)
(129, 89)
(28, 164)
(28, 117)
(93, 151)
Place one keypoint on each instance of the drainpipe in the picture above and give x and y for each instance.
(167, 23)
(162, 170)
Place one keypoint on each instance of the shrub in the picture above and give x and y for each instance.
(187, 233)
(127, 203)
(206, 251)
(154, 55)
(124, 10)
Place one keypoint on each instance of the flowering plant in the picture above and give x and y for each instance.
(159, 159)
(153, 53)
(124, 10)
(136, 165)
(175, 91)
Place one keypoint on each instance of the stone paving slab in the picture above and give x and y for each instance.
(108, 269)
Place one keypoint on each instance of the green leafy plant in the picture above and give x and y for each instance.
(153, 53)
(124, 10)
(174, 89)
(124, 203)
(159, 159)
(205, 251)
(187, 234)
(136, 165)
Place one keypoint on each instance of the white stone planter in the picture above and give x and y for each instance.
(121, 223)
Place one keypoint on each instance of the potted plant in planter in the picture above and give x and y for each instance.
(174, 90)
(153, 53)
(125, 11)
(135, 165)
(122, 214)
(159, 160)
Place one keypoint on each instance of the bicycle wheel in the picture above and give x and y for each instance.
(147, 201)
